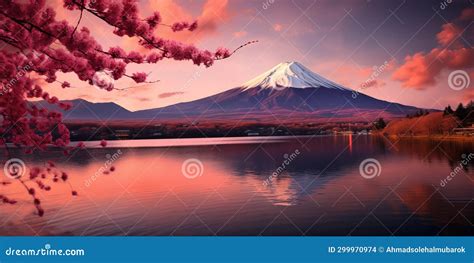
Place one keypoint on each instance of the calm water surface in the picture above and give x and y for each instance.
(318, 192)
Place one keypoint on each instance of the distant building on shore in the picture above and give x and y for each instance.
(122, 134)
(465, 131)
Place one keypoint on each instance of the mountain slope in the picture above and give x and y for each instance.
(287, 92)
(85, 110)
(306, 94)
(290, 74)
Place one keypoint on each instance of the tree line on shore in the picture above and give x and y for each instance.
(463, 113)
(424, 122)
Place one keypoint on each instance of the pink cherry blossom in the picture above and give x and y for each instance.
(38, 45)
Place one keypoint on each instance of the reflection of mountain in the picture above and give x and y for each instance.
(310, 171)
(232, 180)
(326, 163)
(405, 169)
(289, 91)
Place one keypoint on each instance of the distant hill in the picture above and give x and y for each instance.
(85, 110)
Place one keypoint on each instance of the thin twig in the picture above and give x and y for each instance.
(78, 21)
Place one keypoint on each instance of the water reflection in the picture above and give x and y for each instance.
(319, 193)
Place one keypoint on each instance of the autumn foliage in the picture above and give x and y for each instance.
(431, 124)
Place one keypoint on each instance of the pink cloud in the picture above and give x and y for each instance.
(239, 34)
(467, 14)
(214, 12)
(169, 94)
(448, 34)
(277, 27)
(420, 70)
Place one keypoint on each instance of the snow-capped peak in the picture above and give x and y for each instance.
(290, 75)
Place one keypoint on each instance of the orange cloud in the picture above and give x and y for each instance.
(169, 94)
(170, 10)
(420, 70)
(448, 34)
(277, 27)
(213, 12)
(239, 34)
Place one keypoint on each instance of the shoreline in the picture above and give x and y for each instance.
(437, 137)
(203, 141)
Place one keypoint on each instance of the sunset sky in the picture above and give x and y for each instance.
(422, 42)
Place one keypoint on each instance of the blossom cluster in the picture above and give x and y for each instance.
(31, 35)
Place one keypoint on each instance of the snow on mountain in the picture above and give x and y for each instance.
(289, 90)
(290, 75)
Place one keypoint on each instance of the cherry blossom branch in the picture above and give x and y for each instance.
(32, 33)
(78, 21)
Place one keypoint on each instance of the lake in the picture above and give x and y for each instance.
(308, 185)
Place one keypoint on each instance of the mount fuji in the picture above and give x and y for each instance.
(290, 75)
(287, 92)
